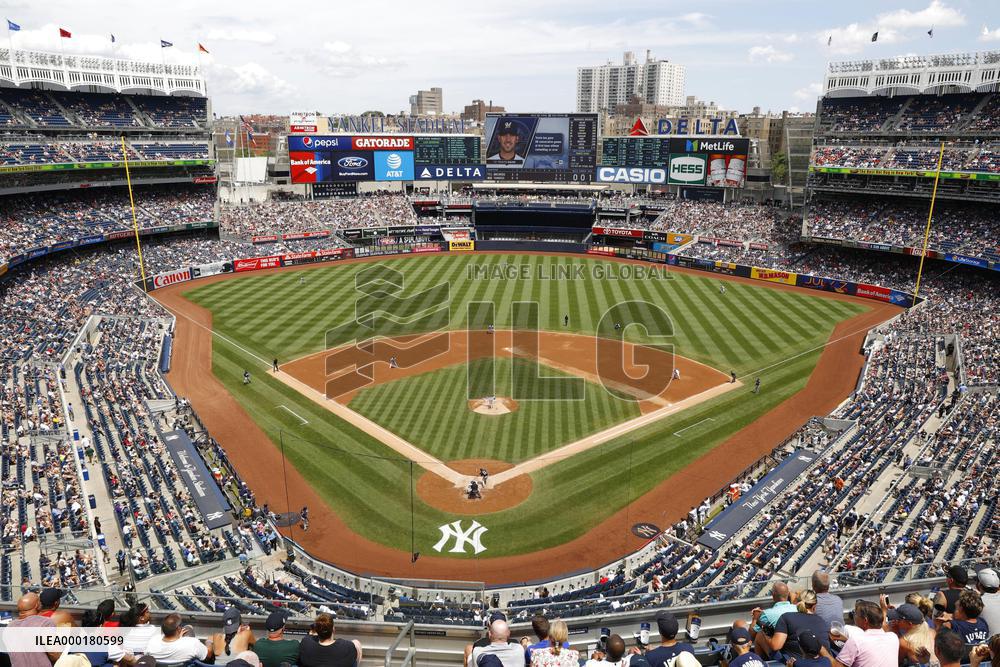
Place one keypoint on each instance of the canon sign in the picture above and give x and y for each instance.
(171, 278)
(631, 175)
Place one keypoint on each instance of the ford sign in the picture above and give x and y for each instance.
(352, 162)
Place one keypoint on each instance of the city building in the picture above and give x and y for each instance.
(602, 88)
(624, 116)
(477, 111)
(427, 103)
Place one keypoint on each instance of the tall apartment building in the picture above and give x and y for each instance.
(427, 103)
(604, 87)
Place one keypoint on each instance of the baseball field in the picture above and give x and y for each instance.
(575, 458)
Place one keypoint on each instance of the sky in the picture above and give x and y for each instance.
(350, 57)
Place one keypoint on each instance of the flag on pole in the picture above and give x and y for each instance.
(829, 40)
(249, 130)
(875, 36)
(229, 138)
(930, 33)
(202, 48)
(13, 27)
(65, 33)
(165, 44)
(112, 38)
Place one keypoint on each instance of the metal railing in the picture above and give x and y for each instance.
(407, 631)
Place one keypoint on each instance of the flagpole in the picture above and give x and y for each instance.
(163, 61)
(10, 54)
(135, 221)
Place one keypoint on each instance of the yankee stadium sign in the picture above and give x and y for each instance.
(401, 123)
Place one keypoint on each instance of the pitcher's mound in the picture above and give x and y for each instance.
(501, 405)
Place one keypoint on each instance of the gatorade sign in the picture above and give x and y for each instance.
(687, 169)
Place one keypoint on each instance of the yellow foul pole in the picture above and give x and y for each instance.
(135, 221)
(930, 214)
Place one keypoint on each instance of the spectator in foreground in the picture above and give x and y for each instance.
(873, 646)
(556, 654)
(764, 620)
(670, 652)
(614, 655)
(321, 649)
(741, 642)
(236, 637)
(500, 648)
(540, 626)
(275, 649)
(988, 585)
(28, 607)
(175, 645)
(791, 625)
(916, 638)
(812, 651)
(949, 648)
(966, 622)
(986, 653)
(958, 579)
(829, 607)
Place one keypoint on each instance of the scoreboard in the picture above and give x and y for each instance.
(339, 158)
(711, 161)
(554, 148)
(447, 149)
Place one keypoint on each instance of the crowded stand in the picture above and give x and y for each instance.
(973, 159)
(966, 113)
(66, 110)
(276, 216)
(22, 151)
(45, 219)
(968, 229)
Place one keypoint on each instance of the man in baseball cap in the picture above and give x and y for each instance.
(670, 651)
(811, 648)
(741, 642)
(275, 649)
(988, 585)
(958, 579)
(509, 132)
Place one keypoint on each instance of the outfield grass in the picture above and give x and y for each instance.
(755, 330)
(429, 410)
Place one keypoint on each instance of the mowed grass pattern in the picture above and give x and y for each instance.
(430, 410)
(753, 329)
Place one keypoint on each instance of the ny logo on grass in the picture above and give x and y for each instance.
(472, 536)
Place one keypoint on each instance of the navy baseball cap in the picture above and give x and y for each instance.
(739, 637)
(511, 126)
(275, 621)
(666, 623)
(910, 613)
(809, 643)
(891, 615)
(231, 619)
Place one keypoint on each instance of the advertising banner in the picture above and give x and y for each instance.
(965, 259)
(256, 263)
(826, 284)
(908, 173)
(214, 508)
(616, 231)
(688, 169)
(272, 238)
(74, 166)
(301, 123)
(3, 269)
(772, 276)
(461, 245)
(443, 172)
(171, 278)
(749, 506)
(873, 292)
(729, 268)
(336, 253)
(211, 269)
(297, 236)
(427, 247)
(639, 175)
(606, 252)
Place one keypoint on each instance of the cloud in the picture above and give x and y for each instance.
(238, 35)
(249, 79)
(809, 92)
(697, 19)
(341, 60)
(768, 54)
(988, 35)
(892, 27)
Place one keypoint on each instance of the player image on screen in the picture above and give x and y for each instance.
(510, 140)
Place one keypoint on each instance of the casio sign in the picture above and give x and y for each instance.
(352, 162)
(631, 175)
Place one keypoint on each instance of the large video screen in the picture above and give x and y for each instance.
(555, 148)
(339, 158)
(711, 161)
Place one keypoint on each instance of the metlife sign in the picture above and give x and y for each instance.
(637, 175)
(442, 172)
(688, 169)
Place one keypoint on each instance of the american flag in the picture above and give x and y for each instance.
(248, 128)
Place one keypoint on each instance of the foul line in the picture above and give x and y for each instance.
(706, 419)
(304, 422)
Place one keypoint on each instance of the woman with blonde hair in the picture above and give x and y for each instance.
(791, 624)
(924, 604)
(556, 655)
(916, 638)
